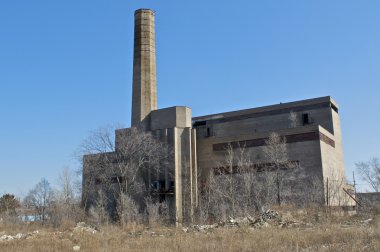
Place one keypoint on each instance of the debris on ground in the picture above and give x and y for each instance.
(76, 248)
(366, 222)
(18, 236)
(269, 218)
(82, 227)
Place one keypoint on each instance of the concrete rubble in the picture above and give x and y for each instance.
(76, 248)
(18, 236)
(268, 218)
(82, 227)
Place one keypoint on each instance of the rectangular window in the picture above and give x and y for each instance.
(199, 123)
(305, 119)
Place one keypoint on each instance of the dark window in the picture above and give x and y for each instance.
(159, 185)
(199, 123)
(305, 119)
(208, 132)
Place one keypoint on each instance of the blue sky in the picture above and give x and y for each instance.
(66, 68)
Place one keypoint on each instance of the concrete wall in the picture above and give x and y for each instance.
(266, 119)
(317, 146)
(178, 116)
(306, 153)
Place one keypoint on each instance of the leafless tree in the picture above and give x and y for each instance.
(293, 119)
(66, 183)
(156, 213)
(236, 187)
(127, 209)
(370, 172)
(142, 160)
(100, 140)
(276, 154)
(99, 210)
(226, 185)
(66, 204)
(124, 172)
(40, 198)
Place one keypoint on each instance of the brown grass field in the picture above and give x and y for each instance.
(326, 235)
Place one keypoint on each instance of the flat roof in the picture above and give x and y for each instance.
(287, 105)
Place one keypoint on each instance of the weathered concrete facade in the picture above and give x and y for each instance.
(313, 141)
(144, 97)
(313, 136)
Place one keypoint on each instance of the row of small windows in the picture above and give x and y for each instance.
(306, 120)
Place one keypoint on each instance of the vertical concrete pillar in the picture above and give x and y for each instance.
(194, 174)
(178, 177)
(185, 175)
(144, 97)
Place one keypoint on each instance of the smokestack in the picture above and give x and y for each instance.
(144, 97)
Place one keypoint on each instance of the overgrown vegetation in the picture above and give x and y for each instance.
(347, 233)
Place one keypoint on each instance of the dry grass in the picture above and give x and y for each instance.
(322, 237)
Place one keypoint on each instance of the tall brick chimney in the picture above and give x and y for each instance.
(144, 97)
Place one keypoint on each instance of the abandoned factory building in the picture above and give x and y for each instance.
(313, 137)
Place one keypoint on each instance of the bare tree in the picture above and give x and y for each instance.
(100, 140)
(156, 212)
(293, 119)
(142, 160)
(66, 183)
(40, 198)
(236, 187)
(126, 173)
(226, 185)
(370, 172)
(66, 202)
(98, 143)
(99, 210)
(127, 209)
(276, 154)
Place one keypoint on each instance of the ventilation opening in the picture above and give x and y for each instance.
(305, 119)
(199, 123)
(208, 133)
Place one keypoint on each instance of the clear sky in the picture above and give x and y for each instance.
(66, 68)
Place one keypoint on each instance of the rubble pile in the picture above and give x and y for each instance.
(82, 227)
(18, 236)
(268, 218)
